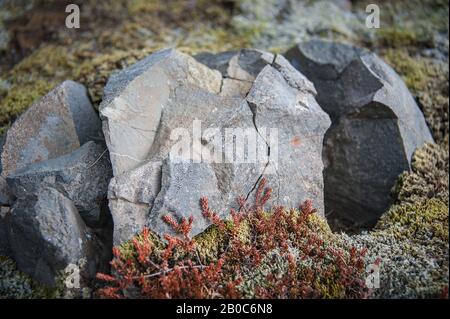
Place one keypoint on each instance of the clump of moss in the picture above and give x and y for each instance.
(395, 37)
(17, 285)
(429, 177)
(51, 62)
(18, 99)
(428, 81)
(422, 222)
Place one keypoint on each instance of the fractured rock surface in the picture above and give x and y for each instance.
(83, 175)
(376, 126)
(169, 100)
(47, 234)
(59, 123)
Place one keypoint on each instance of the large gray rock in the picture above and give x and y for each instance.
(83, 175)
(47, 234)
(376, 127)
(56, 125)
(218, 103)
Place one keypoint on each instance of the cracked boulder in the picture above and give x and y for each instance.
(56, 125)
(179, 128)
(376, 126)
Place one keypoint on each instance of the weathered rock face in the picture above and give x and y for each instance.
(376, 126)
(56, 125)
(83, 175)
(53, 191)
(131, 196)
(47, 234)
(180, 128)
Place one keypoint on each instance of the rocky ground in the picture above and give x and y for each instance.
(404, 226)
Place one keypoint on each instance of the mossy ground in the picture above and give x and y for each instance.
(411, 238)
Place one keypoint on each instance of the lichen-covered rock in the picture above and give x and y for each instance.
(83, 175)
(376, 126)
(56, 125)
(236, 105)
(47, 234)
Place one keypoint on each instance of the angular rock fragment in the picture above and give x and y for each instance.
(131, 196)
(169, 102)
(183, 184)
(376, 127)
(83, 175)
(277, 101)
(47, 234)
(134, 100)
(56, 125)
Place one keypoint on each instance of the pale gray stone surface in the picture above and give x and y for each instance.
(55, 125)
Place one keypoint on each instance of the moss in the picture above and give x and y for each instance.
(429, 177)
(17, 285)
(428, 81)
(18, 99)
(51, 62)
(395, 37)
(422, 221)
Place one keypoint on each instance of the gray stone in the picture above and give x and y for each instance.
(56, 125)
(6, 196)
(151, 107)
(83, 175)
(295, 170)
(135, 98)
(183, 184)
(131, 196)
(47, 234)
(243, 65)
(376, 126)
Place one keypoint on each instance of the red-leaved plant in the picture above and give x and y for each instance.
(312, 266)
